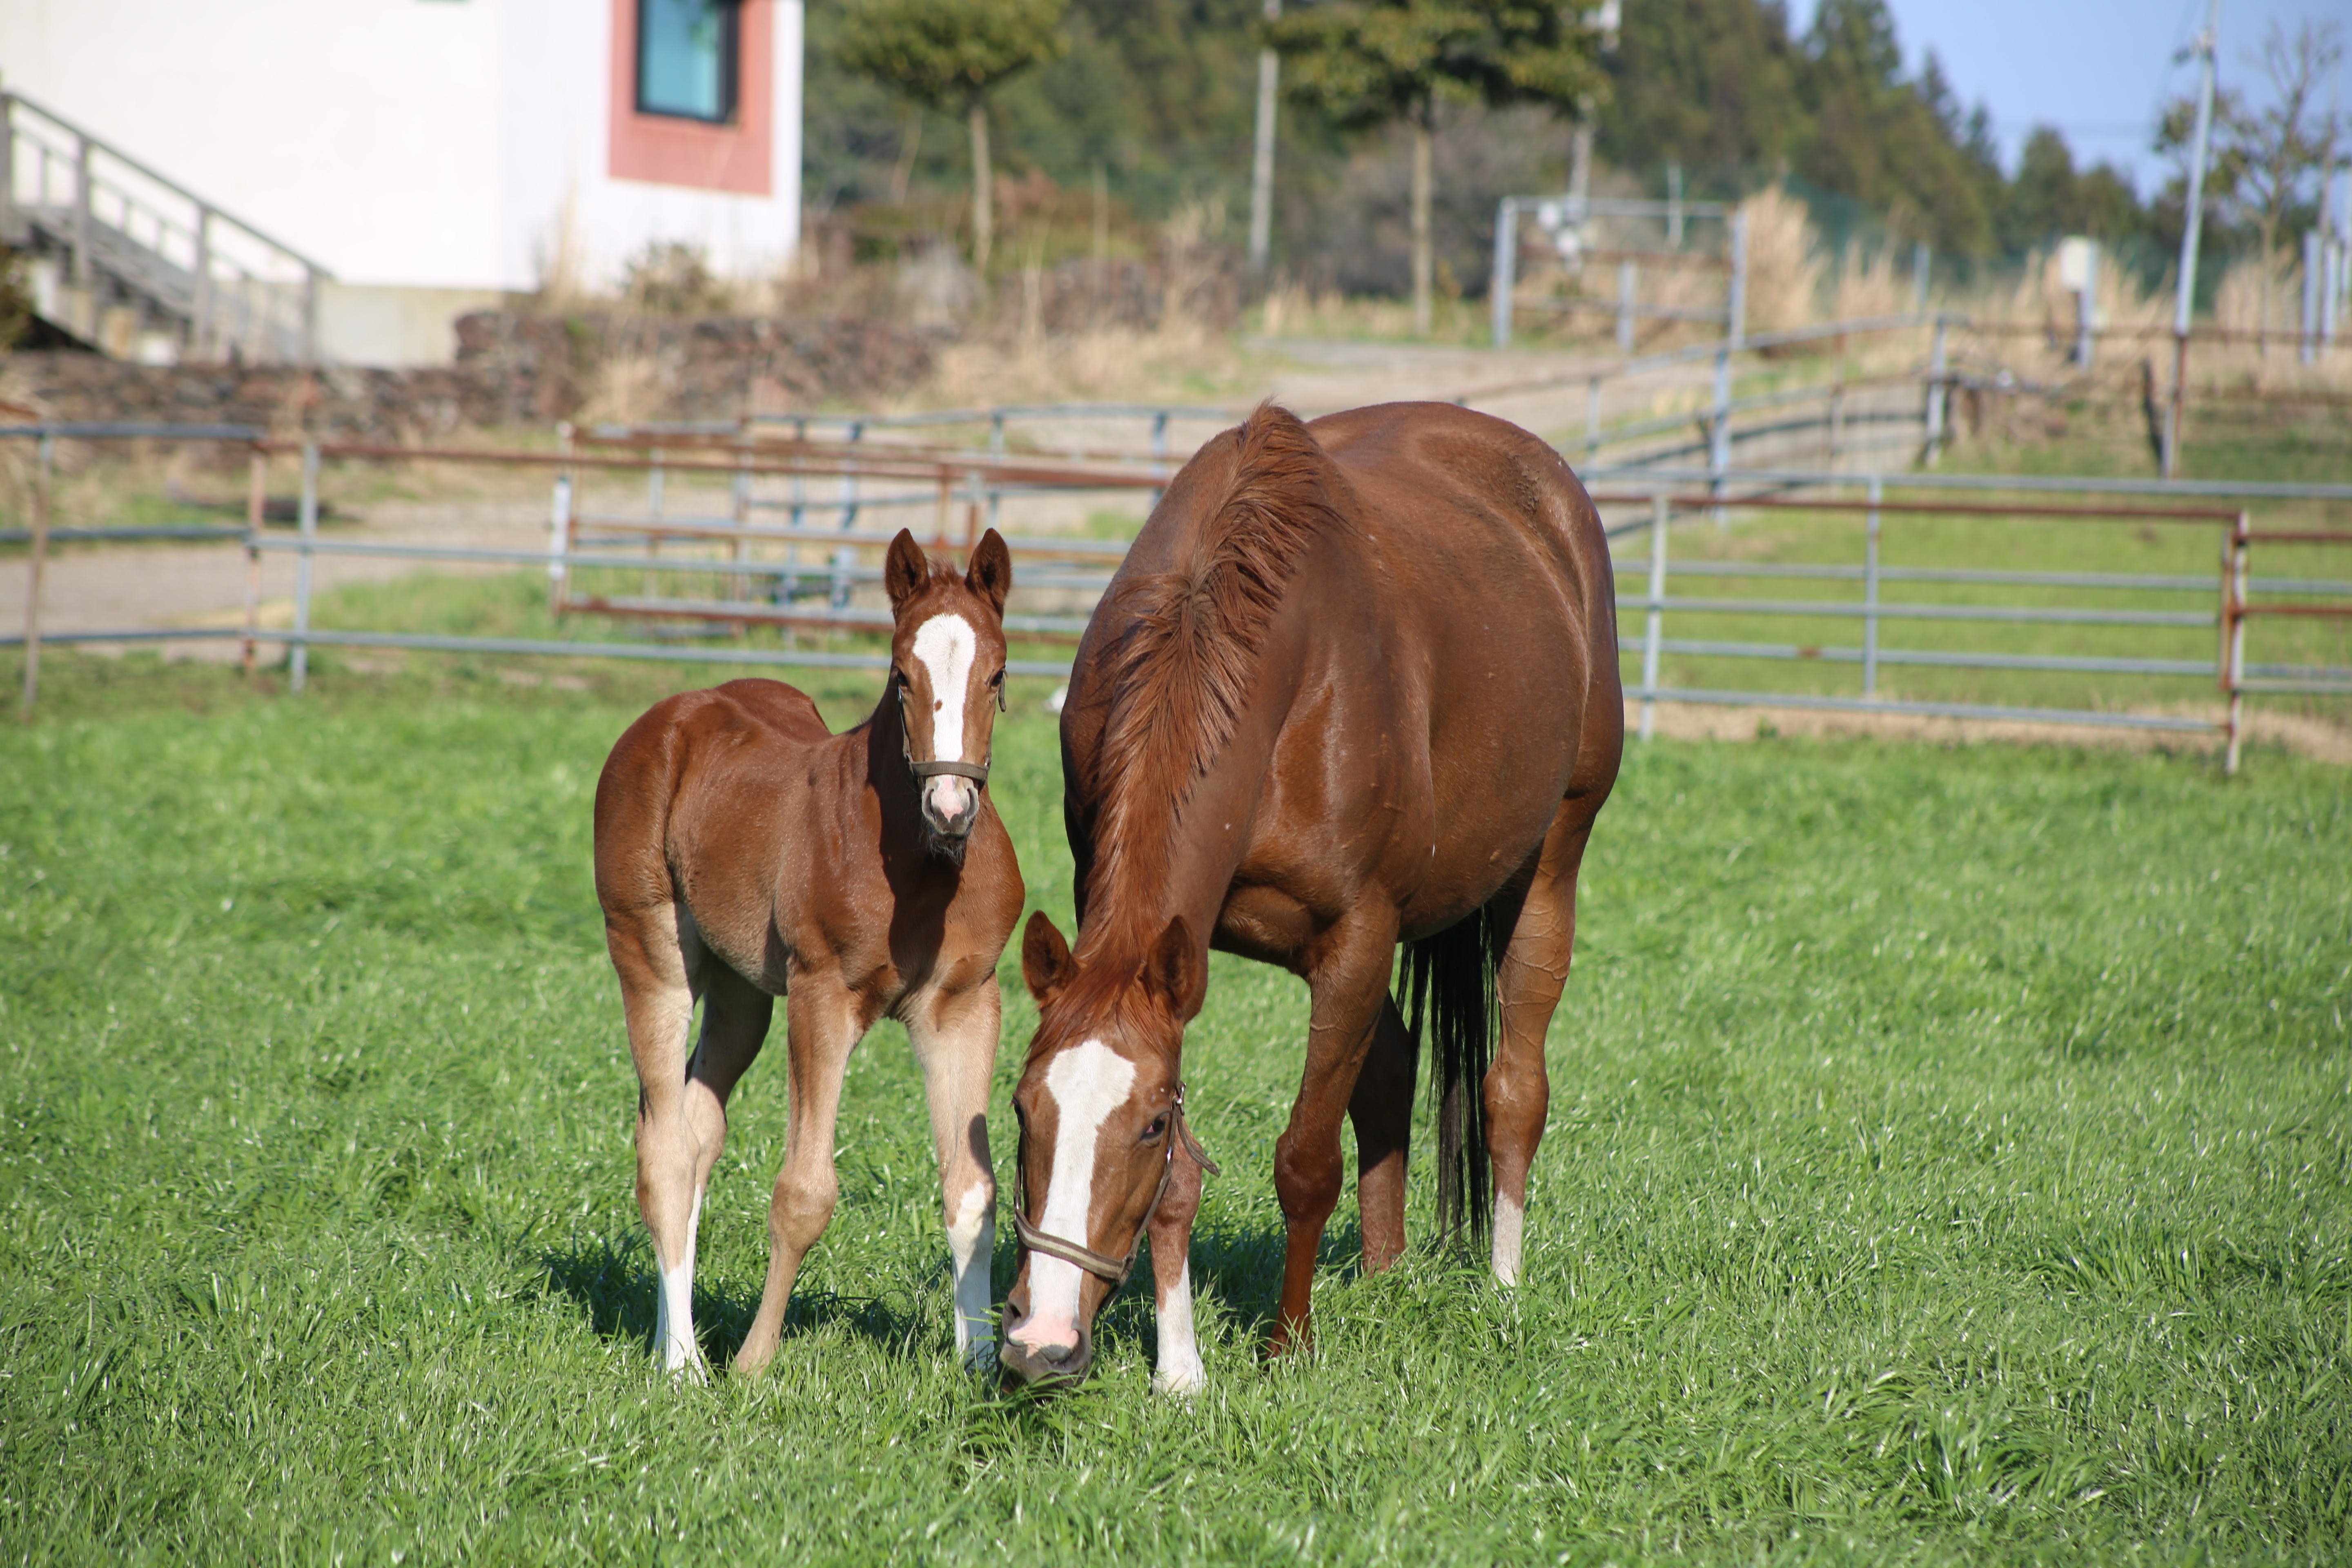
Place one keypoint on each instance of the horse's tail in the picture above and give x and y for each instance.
(1449, 978)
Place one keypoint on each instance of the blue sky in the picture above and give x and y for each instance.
(2097, 69)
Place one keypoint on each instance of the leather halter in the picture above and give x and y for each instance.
(976, 772)
(1100, 1265)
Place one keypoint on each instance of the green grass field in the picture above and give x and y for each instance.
(1947, 1163)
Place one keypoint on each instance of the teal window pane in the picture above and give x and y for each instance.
(686, 57)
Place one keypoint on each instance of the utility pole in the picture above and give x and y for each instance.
(1607, 17)
(2207, 47)
(1261, 233)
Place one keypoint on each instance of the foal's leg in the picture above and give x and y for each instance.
(1350, 979)
(656, 955)
(1381, 1109)
(823, 1021)
(955, 1040)
(1518, 1091)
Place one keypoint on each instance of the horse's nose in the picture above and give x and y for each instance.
(1044, 1364)
(952, 804)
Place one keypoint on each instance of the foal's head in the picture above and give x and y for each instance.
(947, 671)
(1102, 1124)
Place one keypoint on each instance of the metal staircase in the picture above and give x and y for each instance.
(137, 266)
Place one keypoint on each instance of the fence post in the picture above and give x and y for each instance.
(302, 564)
(1506, 268)
(257, 497)
(789, 584)
(559, 525)
(1718, 445)
(2314, 270)
(8, 234)
(2233, 660)
(1934, 414)
(43, 467)
(1736, 310)
(739, 585)
(1870, 593)
(81, 225)
(844, 555)
(1592, 418)
(1627, 283)
(1661, 510)
(309, 315)
(199, 329)
(655, 502)
(1159, 456)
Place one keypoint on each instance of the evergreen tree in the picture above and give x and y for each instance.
(949, 55)
(1367, 63)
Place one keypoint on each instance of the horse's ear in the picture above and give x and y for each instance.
(1046, 961)
(991, 573)
(1177, 971)
(905, 571)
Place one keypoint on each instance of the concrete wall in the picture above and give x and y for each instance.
(404, 144)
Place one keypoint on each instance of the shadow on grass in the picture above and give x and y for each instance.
(614, 1283)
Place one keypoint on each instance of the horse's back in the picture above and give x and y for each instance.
(1447, 482)
(689, 739)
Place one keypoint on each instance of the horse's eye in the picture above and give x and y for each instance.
(1157, 1131)
(997, 679)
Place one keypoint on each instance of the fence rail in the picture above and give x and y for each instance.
(965, 484)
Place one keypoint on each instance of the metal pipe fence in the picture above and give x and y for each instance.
(669, 545)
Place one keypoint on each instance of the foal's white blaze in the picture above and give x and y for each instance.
(1087, 1082)
(1181, 1370)
(945, 645)
(967, 1235)
(673, 1306)
(1510, 1233)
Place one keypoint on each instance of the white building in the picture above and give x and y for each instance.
(431, 156)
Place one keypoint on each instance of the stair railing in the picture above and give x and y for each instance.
(237, 288)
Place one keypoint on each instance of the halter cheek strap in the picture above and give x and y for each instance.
(1101, 1264)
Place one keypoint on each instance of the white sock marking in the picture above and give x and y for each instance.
(968, 1236)
(946, 646)
(1181, 1370)
(1087, 1082)
(673, 1307)
(1510, 1232)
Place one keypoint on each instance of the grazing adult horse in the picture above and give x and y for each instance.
(1355, 684)
(745, 852)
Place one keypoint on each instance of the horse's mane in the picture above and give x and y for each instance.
(1180, 673)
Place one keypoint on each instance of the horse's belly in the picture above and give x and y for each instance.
(1265, 925)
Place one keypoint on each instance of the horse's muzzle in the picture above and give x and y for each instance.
(1045, 1366)
(950, 806)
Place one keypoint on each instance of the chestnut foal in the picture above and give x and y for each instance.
(743, 853)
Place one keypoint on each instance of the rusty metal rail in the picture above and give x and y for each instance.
(947, 493)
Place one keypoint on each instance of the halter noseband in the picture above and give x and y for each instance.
(1100, 1265)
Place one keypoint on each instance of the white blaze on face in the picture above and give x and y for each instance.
(945, 645)
(1087, 1082)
